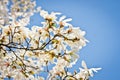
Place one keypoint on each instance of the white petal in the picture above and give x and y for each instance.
(84, 65)
(95, 69)
(68, 20)
(81, 69)
(67, 24)
(61, 18)
(91, 73)
(55, 13)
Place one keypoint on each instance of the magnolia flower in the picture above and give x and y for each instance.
(8, 72)
(24, 22)
(48, 16)
(18, 76)
(60, 65)
(38, 9)
(77, 38)
(1, 22)
(64, 22)
(72, 63)
(4, 12)
(76, 32)
(88, 71)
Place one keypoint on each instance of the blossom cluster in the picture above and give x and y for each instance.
(25, 52)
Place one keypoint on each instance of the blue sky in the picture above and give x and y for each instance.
(100, 19)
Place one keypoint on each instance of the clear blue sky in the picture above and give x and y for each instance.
(101, 20)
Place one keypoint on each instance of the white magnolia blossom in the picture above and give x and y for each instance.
(51, 16)
(64, 22)
(85, 73)
(26, 53)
